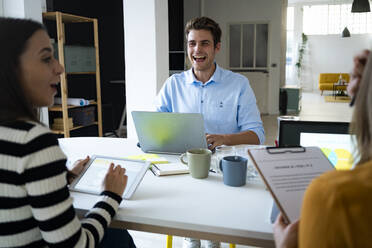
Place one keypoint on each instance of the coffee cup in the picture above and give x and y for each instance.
(198, 161)
(234, 169)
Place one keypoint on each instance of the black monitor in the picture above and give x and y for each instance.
(290, 130)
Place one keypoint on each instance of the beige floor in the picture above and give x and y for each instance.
(314, 107)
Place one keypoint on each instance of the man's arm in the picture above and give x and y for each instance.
(163, 102)
(245, 137)
(249, 119)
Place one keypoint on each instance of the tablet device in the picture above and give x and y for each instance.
(91, 178)
(171, 133)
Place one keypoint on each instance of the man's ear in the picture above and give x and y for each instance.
(217, 47)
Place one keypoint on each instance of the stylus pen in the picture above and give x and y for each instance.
(352, 101)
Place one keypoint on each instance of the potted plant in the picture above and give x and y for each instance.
(301, 51)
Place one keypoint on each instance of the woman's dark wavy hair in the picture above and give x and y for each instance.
(14, 34)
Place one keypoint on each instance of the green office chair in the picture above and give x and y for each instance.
(170, 242)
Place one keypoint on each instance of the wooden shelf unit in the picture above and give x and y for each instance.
(60, 19)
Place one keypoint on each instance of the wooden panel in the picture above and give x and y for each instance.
(74, 128)
(68, 18)
(98, 79)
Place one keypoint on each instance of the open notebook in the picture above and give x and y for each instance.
(169, 169)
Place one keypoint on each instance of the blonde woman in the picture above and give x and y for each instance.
(337, 206)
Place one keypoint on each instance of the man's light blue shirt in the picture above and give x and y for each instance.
(226, 101)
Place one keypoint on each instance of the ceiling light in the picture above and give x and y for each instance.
(345, 33)
(360, 6)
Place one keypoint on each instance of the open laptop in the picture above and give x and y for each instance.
(170, 133)
(332, 138)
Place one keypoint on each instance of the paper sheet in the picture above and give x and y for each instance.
(288, 175)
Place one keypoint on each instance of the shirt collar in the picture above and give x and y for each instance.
(190, 77)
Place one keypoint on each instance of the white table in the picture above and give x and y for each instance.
(181, 205)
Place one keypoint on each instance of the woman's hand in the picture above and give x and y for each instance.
(285, 235)
(79, 165)
(77, 168)
(360, 61)
(115, 180)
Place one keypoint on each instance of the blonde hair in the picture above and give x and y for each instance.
(361, 124)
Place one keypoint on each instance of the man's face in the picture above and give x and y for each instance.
(201, 50)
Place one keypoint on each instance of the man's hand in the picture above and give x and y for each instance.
(285, 235)
(360, 61)
(214, 140)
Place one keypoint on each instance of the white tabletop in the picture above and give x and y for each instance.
(179, 204)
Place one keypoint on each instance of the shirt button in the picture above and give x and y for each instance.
(202, 101)
(202, 86)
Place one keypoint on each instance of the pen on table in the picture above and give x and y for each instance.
(211, 170)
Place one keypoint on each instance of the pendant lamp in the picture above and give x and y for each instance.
(345, 33)
(360, 6)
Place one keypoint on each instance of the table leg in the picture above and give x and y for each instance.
(169, 241)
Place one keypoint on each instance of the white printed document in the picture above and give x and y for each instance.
(287, 172)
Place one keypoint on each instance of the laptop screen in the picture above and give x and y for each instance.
(332, 137)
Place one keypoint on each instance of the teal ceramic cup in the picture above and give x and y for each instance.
(234, 169)
(198, 161)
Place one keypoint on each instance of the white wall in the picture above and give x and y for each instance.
(33, 9)
(191, 9)
(224, 12)
(14, 8)
(1, 8)
(331, 53)
(146, 54)
(30, 9)
(326, 53)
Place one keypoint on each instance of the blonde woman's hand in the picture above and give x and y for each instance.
(115, 180)
(360, 61)
(285, 235)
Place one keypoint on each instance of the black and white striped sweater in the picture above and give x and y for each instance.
(35, 205)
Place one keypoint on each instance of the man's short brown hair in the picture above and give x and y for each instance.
(205, 23)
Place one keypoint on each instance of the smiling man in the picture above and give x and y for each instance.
(225, 98)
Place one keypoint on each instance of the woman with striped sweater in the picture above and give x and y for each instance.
(35, 206)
